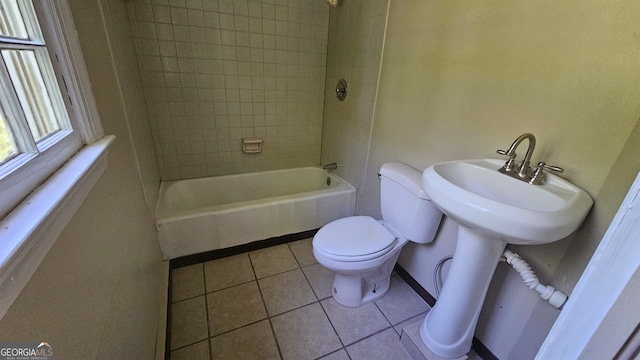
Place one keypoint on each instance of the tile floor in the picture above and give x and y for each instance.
(276, 303)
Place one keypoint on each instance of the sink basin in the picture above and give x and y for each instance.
(492, 209)
(474, 194)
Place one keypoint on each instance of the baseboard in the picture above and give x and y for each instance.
(162, 340)
(239, 249)
(476, 345)
(415, 285)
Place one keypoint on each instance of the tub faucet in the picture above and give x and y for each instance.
(523, 169)
(331, 166)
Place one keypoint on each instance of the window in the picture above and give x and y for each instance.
(31, 107)
(52, 147)
(39, 119)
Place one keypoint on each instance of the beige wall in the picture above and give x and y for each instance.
(132, 97)
(217, 71)
(97, 293)
(460, 79)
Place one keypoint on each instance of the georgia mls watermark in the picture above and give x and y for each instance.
(26, 351)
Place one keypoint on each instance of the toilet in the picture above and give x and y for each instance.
(362, 250)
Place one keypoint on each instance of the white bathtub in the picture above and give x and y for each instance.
(198, 215)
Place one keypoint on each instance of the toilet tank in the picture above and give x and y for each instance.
(404, 204)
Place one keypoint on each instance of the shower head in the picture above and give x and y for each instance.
(332, 3)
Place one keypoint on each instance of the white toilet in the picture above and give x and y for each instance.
(362, 251)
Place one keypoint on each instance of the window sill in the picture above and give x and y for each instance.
(30, 230)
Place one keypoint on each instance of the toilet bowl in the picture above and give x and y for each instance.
(363, 268)
(362, 251)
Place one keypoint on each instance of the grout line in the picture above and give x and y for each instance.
(238, 328)
(191, 344)
(333, 352)
(334, 328)
(264, 305)
(309, 283)
(229, 287)
(372, 335)
(206, 304)
(383, 314)
(275, 338)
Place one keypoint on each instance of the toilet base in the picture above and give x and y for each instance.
(354, 290)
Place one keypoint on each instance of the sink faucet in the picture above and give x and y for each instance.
(523, 170)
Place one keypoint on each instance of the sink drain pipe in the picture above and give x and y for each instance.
(555, 297)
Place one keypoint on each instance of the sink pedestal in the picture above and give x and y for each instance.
(490, 208)
(449, 327)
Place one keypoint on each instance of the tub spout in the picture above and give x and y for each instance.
(331, 166)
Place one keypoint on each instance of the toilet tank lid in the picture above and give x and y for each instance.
(406, 176)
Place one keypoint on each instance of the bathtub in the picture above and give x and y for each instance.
(198, 215)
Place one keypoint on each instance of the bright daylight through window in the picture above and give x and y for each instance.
(44, 115)
(31, 106)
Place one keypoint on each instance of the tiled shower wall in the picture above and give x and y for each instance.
(215, 71)
(356, 35)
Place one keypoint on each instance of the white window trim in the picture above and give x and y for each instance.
(91, 128)
(29, 231)
(602, 312)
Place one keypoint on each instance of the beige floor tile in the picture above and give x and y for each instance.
(401, 302)
(227, 272)
(234, 307)
(286, 291)
(305, 333)
(187, 282)
(353, 324)
(338, 355)
(321, 280)
(412, 342)
(384, 345)
(401, 325)
(272, 260)
(188, 322)
(254, 341)
(290, 281)
(303, 251)
(198, 351)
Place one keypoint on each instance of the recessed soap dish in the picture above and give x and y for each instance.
(251, 145)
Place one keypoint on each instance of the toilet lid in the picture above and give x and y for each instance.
(354, 236)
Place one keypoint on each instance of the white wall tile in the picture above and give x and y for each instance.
(240, 68)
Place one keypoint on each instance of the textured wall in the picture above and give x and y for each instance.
(217, 71)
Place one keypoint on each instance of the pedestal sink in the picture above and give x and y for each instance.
(492, 210)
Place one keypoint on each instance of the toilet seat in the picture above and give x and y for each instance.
(354, 238)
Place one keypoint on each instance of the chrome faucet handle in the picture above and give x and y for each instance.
(537, 175)
(508, 166)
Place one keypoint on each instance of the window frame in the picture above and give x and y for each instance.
(22, 174)
(32, 225)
